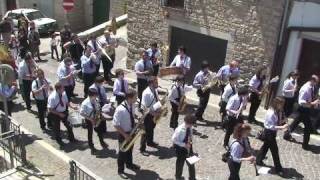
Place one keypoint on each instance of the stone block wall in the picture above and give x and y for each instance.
(117, 8)
(253, 26)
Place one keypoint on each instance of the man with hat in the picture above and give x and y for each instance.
(143, 69)
(177, 92)
(90, 110)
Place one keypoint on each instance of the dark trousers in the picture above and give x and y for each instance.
(107, 66)
(54, 49)
(174, 116)
(288, 106)
(223, 111)
(156, 69)
(26, 87)
(221, 87)
(63, 50)
(10, 106)
(270, 142)
(255, 103)
(304, 117)
(42, 109)
(142, 85)
(88, 80)
(182, 155)
(234, 168)
(124, 157)
(204, 98)
(69, 91)
(55, 120)
(147, 138)
(120, 99)
(232, 122)
(98, 130)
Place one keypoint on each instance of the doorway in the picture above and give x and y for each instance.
(11, 4)
(101, 9)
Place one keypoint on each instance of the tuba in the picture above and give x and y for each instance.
(182, 104)
(212, 80)
(136, 132)
(164, 107)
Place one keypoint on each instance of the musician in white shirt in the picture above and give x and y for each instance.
(229, 90)
(177, 92)
(182, 60)
(41, 88)
(66, 75)
(155, 57)
(290, 87)
(96, 49)
(120, 87)
(149, 98)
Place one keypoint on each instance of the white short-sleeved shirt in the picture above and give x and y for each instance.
(288, 89)
(149, 98)
(54, 102)
(121, 117)
(88, 108)
(139, 66)
(62, 72)
(228, 92)
(36, 85)
(305, 93)
(174, 93)
(117, 87)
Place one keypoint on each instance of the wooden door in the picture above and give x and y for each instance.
(101, 9)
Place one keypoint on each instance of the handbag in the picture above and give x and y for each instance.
(225, 156)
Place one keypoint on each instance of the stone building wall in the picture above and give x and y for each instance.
(117, 8)
(253, 26)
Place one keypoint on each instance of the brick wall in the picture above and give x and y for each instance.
(252, 25)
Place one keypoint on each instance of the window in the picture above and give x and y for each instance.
(173, 3)
(34, 15)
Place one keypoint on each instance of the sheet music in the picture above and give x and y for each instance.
(193, 159)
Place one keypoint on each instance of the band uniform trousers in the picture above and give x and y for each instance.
(156, 69)
(147, 138)
(107, 66)
(255, 103)
(142, 85)
(174, 116)
(203, 102)
(270, 142)
(234, 168)
(97, 129)
(54, 50)
(88, 80)
(232, 122)
(10, 106)
(124, 157)
(182, 155)
(55, 120)
(42, 109)
(69, 91)
(288, 106)
(304, 117)
(221, 87)
(26, 87)
(223, 110)
(120, 99)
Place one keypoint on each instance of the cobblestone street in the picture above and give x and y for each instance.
(298, 163)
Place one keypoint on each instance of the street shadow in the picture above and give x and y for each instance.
(80, 145)
(77, 100)
(18, 107)
(145, 174)
(111, 135)
(201, 135)
(207, 123)
(106, 153)
(289, 173)
(42, 61)
(163, 152)
(28, 139)
(314, 149)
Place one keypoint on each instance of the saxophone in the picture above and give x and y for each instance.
(164, 107)
(136, 132)
(182, 104)
(212, 80)
(98, 115)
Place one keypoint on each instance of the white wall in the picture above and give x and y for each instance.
(305, 14)
(3, 7)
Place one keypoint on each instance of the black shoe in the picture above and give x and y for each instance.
(104, 145)
(133, 167)
(180, 178)
(61, 144)
(153, 144)
(144, 153)
(44, 128)
(306, 147)
(74, 140)
(74, 95)
(123, 175)
(260, 163)
(200, 118)
(287, 136)
(280, 173)
(93, 150)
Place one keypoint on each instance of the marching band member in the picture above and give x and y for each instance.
(75, 47)
(256, 87)
(182, 60)
(123, 121)
(89, 110)
(175, 96)
(290, 87)
(9, 92)
(96, 49)
(41, 88)
(239, 147)
(143, 69)
(58, 104)
(14, 46)
(26, 73)
(155, 55)
(234, 108)
(88, 65)
(307, 100)
(120, 87)
(225, 71)
(229, 91)
(102, 98)
(149, 98)
(182, 140)
(272, 124)
(200, 81)
(109, 43)
(65, 36)
(65, 74)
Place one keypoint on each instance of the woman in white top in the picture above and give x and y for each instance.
(289, 89)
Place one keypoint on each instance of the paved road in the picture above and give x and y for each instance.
(298, 164)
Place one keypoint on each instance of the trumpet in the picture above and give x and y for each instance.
(211, 79)
(164, 108)
(136, 132)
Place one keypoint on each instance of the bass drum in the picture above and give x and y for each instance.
(170, 73)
